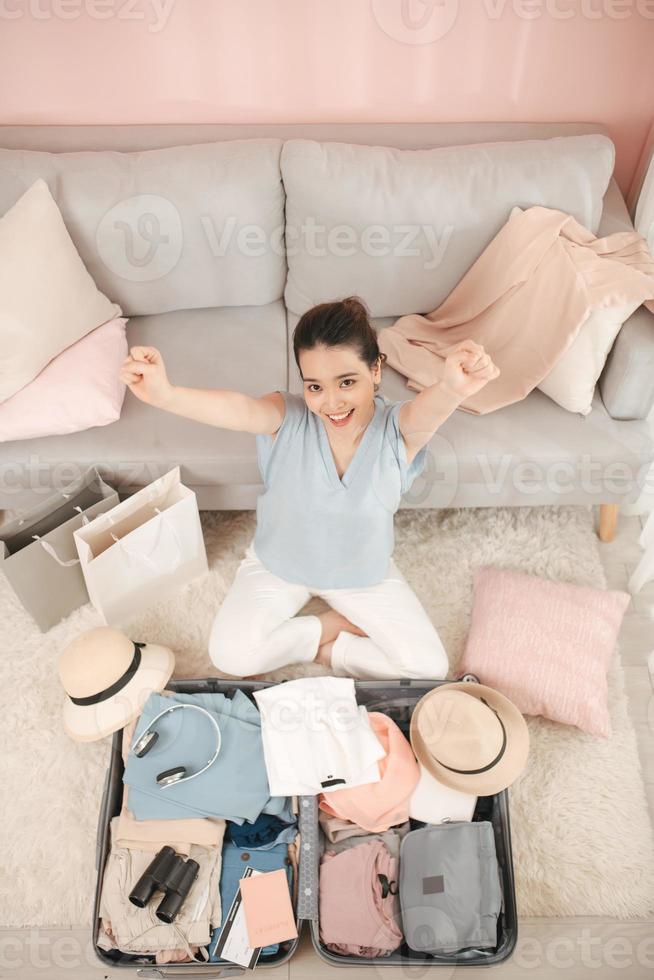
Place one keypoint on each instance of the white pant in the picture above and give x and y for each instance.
(255, 630)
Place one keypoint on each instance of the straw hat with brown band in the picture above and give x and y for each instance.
(470, 737)
(107, 678)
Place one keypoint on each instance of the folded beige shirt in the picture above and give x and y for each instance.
(137, 930)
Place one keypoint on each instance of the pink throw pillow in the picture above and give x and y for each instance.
(546, 645)
(78, 389)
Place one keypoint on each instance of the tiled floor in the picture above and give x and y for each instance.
(547, 948)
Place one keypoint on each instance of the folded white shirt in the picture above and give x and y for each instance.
(316, 738)
(432, 802)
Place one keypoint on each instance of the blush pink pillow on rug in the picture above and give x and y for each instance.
(78, 389)
(546, 645)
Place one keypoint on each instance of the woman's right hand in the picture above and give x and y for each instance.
(144, 373)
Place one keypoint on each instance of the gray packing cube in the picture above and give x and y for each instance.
(450, 891)
(45, 574)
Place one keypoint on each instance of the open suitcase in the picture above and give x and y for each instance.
(394, 698)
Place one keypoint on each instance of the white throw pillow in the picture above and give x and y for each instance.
(571, 382)
(48, 300)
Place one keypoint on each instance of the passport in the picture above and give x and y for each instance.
(268, 910)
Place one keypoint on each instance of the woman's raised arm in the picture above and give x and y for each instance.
(144, 372)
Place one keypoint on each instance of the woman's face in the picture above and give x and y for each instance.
(336, 383)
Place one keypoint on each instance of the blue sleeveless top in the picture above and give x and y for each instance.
(316, 529)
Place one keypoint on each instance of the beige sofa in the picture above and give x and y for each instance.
(236, 313)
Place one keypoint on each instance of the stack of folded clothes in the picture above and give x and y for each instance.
(405, 865)
(221, 819)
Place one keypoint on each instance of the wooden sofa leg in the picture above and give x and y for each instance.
(607, 521)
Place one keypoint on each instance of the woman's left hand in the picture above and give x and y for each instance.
(467, 368)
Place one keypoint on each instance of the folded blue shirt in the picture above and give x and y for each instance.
(282, 807)
(266, 831)
(234, 788)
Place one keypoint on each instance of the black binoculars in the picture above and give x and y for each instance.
(168, 873)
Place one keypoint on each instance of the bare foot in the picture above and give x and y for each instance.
(332, 624)
(324, 655)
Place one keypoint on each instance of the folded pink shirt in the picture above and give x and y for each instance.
(359, 916)
(381, 805)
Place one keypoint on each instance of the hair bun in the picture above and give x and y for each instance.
(355, 305)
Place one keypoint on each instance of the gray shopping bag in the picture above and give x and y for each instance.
(38, 553)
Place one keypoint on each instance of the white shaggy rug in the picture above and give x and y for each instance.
(582, 838)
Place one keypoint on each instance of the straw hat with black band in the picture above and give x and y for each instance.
(107, 679)
(470, 737)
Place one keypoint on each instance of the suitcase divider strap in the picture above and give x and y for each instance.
(307, 895)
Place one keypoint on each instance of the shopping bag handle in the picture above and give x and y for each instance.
(49, 550)
(110, 518)
(139, 556)
(22, 515)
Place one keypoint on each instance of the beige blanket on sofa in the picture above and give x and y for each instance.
(524, 300)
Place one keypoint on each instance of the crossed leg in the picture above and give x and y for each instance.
(396, 637)
(381, 631)
(256, 629)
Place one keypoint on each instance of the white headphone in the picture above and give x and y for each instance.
(177, 774)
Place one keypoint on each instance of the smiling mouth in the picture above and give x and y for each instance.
(341, 417)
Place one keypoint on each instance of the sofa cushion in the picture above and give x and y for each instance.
(626, 382)
(571, 382)
(79, 389)
(400, 227)
(48, 300)
(184, 227)
(242, 349)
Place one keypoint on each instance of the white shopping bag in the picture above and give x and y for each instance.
(142, 550)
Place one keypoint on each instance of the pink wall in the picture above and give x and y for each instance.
(116, 61)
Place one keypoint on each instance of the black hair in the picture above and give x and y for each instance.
(344, 323)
